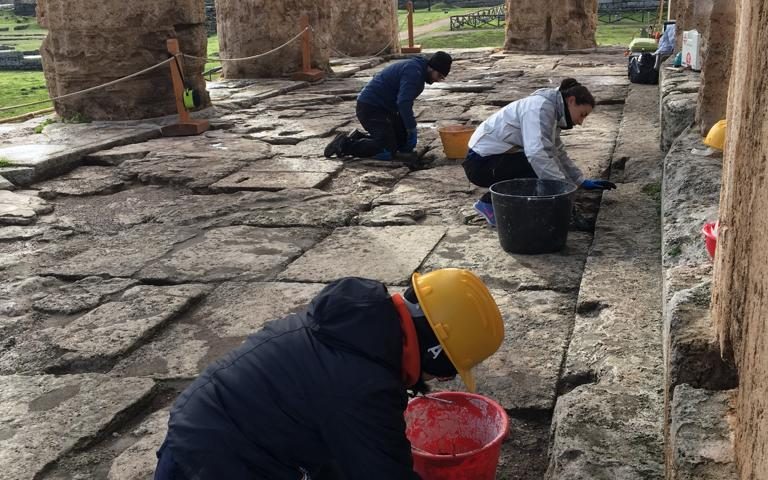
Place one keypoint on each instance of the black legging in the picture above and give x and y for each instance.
(485, 171)
(386, 132)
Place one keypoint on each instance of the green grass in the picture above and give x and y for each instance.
(616, 34)
(17, 88)
(25, 40)
(424, 17)
(470, 39)
(5, 163)
(213, 51)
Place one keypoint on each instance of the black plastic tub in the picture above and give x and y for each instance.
(532, 215)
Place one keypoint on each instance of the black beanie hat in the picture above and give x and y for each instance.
(441, 62)
(434, 361)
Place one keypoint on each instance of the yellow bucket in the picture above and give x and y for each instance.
(455, 140)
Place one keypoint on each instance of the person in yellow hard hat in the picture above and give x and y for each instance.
(320, 394)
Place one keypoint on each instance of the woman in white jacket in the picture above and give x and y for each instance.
(522, 140)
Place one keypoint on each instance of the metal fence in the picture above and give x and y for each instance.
(493, 17)
(638, 11)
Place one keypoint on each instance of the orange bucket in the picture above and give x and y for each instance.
(455, 140)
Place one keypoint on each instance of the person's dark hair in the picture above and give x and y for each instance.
(570, 87)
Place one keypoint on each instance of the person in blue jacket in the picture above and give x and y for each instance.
(385, 109)
(320, 394)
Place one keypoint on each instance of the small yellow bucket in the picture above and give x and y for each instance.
(455, 140)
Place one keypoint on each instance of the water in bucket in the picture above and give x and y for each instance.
(459, 440)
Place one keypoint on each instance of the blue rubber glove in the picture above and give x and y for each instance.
(589, 184)
(410, 142)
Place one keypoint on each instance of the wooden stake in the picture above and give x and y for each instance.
(307, 73)
(186, 125)
(411, 48)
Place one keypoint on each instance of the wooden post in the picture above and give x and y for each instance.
(411, 48)
(307, 73)
(185, 125)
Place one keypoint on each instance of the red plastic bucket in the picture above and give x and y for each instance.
(460, 440)
(710, 237)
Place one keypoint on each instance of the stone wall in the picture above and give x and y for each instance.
(88, 45)
(716, 64)
(550, 25)
(365, 28)
(740, 297)
(628, 5)
(252, 27)
(24, 7)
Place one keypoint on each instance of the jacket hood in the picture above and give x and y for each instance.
(553, 95)
(357, 315)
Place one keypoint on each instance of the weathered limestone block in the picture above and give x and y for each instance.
(716, 66)
(139, 460)
(551, 25)
(679, 96)
(692, 15)
(740, 304)
(701, 440)
(252, 27)
(89, 43)
(44, 417)
(21, 208)
(365, 28)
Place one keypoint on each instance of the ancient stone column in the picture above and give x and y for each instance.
(363, 28)
(692, 15)
(550, 25)
(92, 42)
(717, 56)
(252, 27)
(740, 289)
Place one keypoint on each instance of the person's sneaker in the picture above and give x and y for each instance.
(356, 134)
(486, 210)
(336, 147)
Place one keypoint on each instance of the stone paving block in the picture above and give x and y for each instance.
(275, 130)
(139, 460)
(113, 157)
(221, 322)
(20, 233)
(81, 295)
(387, 254)
(523, 374)
(478, 249)
(121, 255)
(434, 196)
(195, 163)
(232, 253)
(249, 179)
(21, 208)
(30, 154)
(607, 431)
(702, 434)
(116, 327)
(83, 181)
(6, 185)
(44, 417)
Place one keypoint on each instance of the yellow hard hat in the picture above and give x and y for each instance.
(463, 315)
(716, 136)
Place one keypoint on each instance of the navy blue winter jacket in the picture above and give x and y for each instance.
(396, 87)
(318, 386)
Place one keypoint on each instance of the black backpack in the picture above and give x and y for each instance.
(640, 69)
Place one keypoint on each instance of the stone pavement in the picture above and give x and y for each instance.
(124, 277)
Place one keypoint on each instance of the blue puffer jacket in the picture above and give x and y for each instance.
(396, 87)
(314, 387)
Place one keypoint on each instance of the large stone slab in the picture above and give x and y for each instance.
(230, 253)
(607, 431)
(44, 417)
(121, 255)
(21, 208)
(523, 374)
(194, 163)
(436, 196)
(140, 459)
(388, 254)
(478, 249)
(223, 319)
(81, 295)
(279, 174)
(83, 181)
(270, 128)
(702, 434)
(116, 327)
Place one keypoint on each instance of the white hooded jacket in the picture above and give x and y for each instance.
(533, 125)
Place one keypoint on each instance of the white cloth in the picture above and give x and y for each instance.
(533, 125)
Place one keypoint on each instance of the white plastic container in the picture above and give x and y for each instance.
(691, 53)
